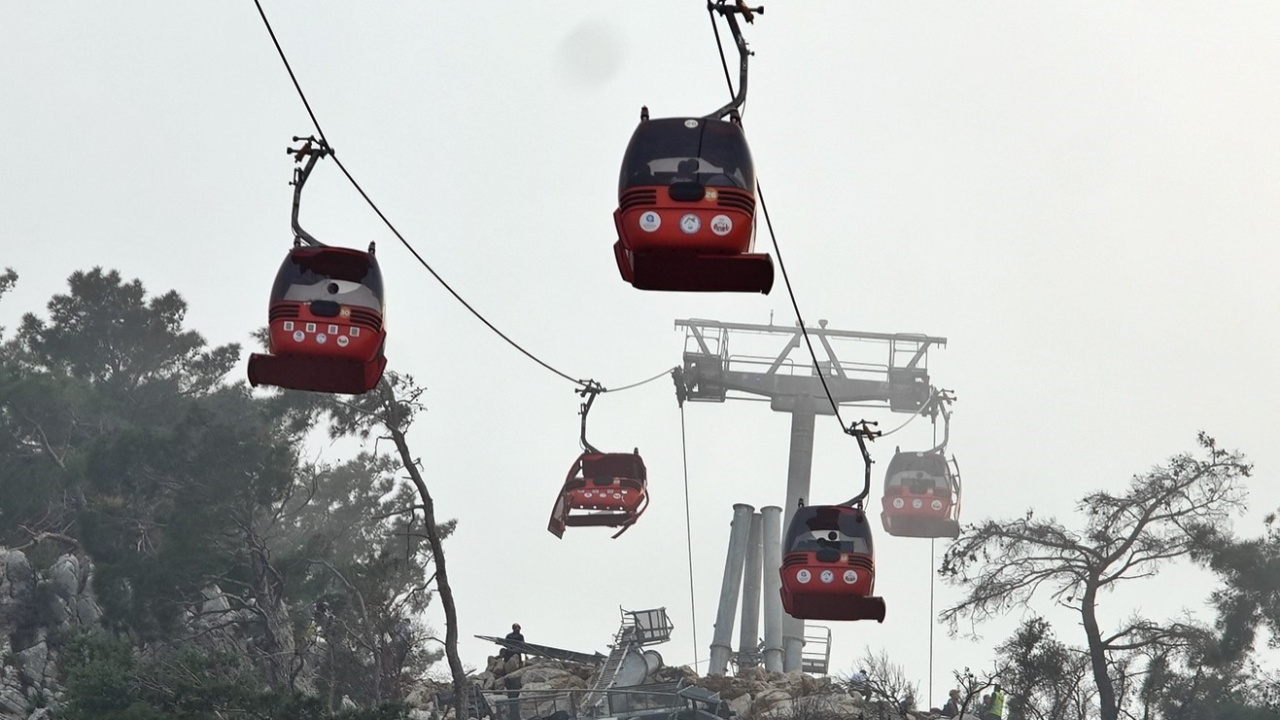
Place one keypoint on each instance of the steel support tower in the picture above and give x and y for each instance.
(874, 370)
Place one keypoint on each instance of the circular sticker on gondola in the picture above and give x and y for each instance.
(803, 576)
(850, 577)
(898, 503)
(650, 221)
(721, 225)
(322, 338)
(690, 224)
(343, 341)
(299, 336)
(828, 577)
(691, 123)
(917, 503)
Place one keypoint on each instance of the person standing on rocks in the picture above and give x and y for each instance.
(507, 653)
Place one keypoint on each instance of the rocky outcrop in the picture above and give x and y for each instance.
(36, 605)
(544, 687)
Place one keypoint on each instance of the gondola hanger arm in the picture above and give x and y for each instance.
(731, 13)
(589, 390)
(312, 150)
(863, 430)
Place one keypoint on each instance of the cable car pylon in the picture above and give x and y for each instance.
(899, 381)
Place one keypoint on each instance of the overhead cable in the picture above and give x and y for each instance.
(403, 241)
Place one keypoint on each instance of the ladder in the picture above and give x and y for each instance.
(622, 643)
(815, 659)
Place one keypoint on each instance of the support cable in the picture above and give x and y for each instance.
(861, 429)
(403, 241)
(724, 62)
(688, 536)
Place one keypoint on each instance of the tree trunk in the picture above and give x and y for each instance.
(442, 577)
(283, 668)
(1097, 653)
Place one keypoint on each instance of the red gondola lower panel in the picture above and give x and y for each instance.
(601, 490)
(316, 373)
(689, 272)
(919, 516)
(838, 589)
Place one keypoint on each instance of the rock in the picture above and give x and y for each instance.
(33, 660)
(64, 576)
(741, 705)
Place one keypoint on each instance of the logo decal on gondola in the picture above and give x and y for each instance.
(803, 576)
(850, 577)
(937, 505)
(691, 123)
(828, 577)
(721, 225)
(343, 341)
(322, 338)
(690, 224)
(650, 221)
(299, 336)
(898, 503)
(917, 504)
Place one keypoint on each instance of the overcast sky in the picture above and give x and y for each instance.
(1080, 196)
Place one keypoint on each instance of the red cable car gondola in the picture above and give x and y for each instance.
(921, 496)
(922, 489)
(828, 569)
(686, 205)
(326, 331)
(828, 564)
(687, 198)
(602, 489)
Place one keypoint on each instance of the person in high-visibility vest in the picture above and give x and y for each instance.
(997, 703)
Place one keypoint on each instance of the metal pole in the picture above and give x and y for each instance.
(799, 469)
(932, 622)
(749, 633)
(771, 540)
(723, 634)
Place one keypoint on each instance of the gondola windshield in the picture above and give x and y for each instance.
(818, 528)
(930, 463)
(349, 276)
(713, 153)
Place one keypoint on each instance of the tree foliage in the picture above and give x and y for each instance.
(1165, 514)
(122, 439)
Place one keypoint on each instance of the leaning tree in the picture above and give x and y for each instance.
(1163, 515)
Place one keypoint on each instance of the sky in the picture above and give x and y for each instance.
(1079, 196)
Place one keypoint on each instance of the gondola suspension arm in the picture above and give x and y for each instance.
(730, 13)
(941, 403)
(312, 149)
(589, 391)
(862, 430)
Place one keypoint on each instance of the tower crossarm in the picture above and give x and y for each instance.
(876, 367)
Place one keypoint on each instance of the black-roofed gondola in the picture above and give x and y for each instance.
(828, 563)
(687, 198)
(326, 331)
(922, 488)
(921, 496)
